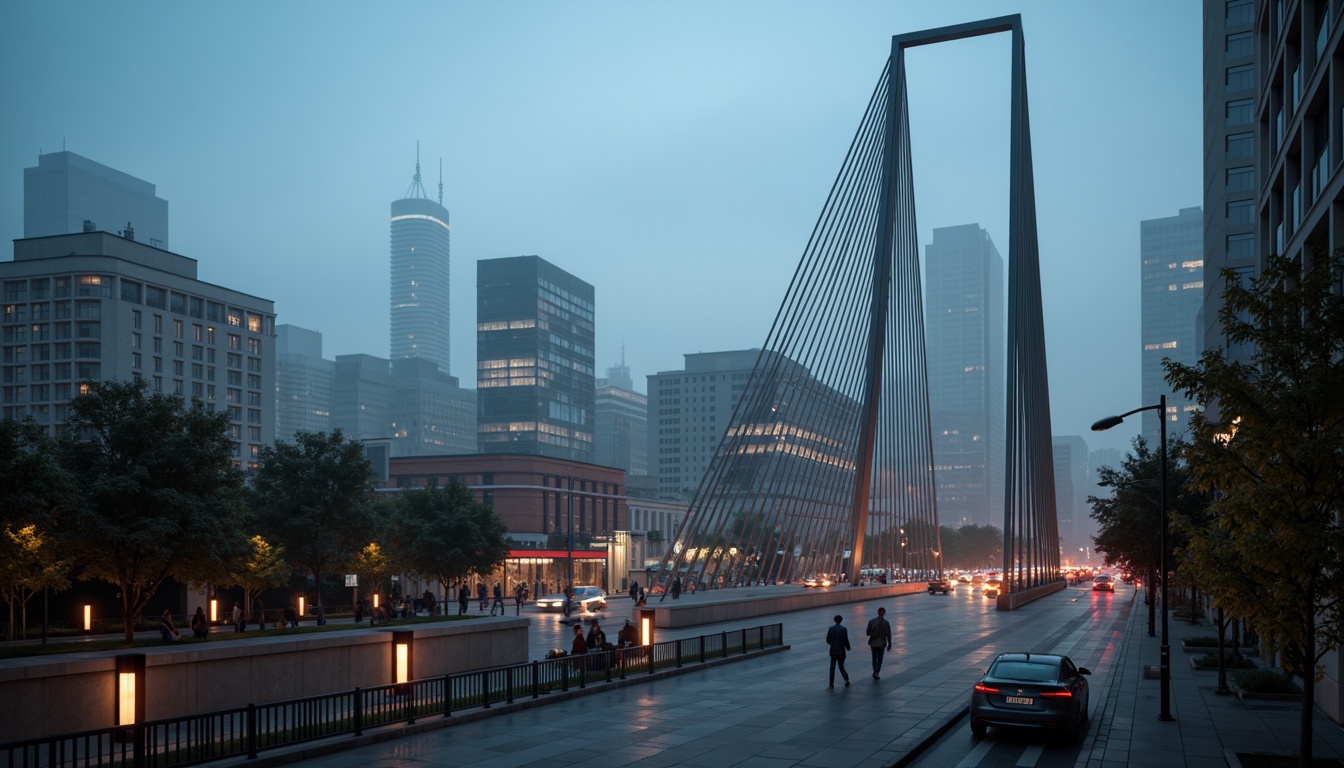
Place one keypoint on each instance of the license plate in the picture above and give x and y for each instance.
(1018, 699)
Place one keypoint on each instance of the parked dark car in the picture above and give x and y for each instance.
(1031, 690)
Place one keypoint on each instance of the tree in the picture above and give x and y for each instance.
(35, 489)
(443, 533)
(161, 496)
(310, 496)
(1270, 446)
(264, 567)
(372, 566)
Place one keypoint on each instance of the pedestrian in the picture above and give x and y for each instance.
(359, 612)
(597, 639)
(676, 588)
(291, 617)
(239, 622)
(480, 594)
(463, 597)
(199, 626)
(569, 601)
(879, 639)
(498, 601)
(167, 629)
(519, 595)
(628, 636)
(634, 591)
(642, 595)
(430, 602)
(579, 647)
(837, 637)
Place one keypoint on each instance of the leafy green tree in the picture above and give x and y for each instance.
(373, 566)
(161, 496)
(972, 546)
(1270, 447)
(35, 489)
(443, 533)
(264, 567)
(311, 497)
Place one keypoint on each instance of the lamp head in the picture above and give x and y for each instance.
(1101, 425)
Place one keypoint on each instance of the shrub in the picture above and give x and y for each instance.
(1201, 642)
(1210, 661)
(1266, 681)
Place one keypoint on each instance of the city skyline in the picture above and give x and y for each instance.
(668, 161)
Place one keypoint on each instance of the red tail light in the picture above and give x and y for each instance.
(982, 688)
(1063, 693)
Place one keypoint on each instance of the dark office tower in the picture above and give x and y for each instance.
(965, 336)
(66, 193)
(1172, 289)
(420, 279)
(534, 359)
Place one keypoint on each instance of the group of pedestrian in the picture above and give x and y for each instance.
(879, 642)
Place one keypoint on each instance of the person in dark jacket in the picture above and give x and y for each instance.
(199, 626)
(879, 639)
(463, 597)
(837, 637)
(579, 647)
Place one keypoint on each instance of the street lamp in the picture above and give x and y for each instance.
(1165, 657)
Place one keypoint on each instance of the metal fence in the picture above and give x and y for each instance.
(248, 731)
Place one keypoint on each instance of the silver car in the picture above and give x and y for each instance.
(586, 599)
(1031, 690)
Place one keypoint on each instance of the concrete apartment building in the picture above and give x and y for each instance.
(95, 306)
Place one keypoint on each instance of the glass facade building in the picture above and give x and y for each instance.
(420, 281)
(1172, 290)
(65, 193)
(535, 376)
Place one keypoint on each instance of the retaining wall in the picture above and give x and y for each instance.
(717, 606)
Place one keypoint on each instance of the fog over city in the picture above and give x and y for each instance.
(674, 155)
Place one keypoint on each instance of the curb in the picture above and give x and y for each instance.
(934, 735)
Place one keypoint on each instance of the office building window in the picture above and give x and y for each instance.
(1240, 111)
(1240, 212)
(1240, 146)
(1240, 78)
(1240, 179)
(1240, 246)
(1239, 44)
(1239, 12)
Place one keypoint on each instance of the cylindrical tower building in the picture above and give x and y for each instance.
(420, 278)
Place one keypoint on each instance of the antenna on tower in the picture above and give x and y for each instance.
(440, 181)
(417, 189)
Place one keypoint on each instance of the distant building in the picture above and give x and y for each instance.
(303, 383)
(1172, 290)
(1071, 492)
(689, 412)
(965, 334)
(420, 277)
(534, 350)
(431, 414)
(65, 193)
(362, 397)
(95, 307)
(620, 434)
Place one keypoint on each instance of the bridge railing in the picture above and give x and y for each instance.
(248, 731)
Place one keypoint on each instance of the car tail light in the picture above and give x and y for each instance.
(1061, 693)
(982, 688)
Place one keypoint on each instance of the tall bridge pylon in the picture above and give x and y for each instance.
(827, 464)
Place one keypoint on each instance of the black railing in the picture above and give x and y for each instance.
(247, 731)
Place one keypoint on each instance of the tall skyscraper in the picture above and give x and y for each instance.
(420, 276)
(431, 414)
(1172, 289)
(620, 437)
(362, 397)
(1071, 491)
(66, 193)
(303, 382)
(97, 307)
(965, 336)
(534, 351)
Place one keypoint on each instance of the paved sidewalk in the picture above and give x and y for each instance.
(1208, 728)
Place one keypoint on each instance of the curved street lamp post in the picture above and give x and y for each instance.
(1165, 658)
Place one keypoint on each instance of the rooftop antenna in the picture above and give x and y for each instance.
(440, 181)
(416, 189)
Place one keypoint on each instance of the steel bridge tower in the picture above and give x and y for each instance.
(827, 465)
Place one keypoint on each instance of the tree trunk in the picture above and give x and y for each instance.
(1308, 672)
(1222, 657)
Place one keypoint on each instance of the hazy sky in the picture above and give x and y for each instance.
(673, 154)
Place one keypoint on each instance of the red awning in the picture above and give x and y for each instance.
(556, 553)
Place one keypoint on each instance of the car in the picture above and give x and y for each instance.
(964, 578)
(1031, 690)
(940, 585)
(586, 599)
(816, 582)
(1103, 583)
(992, 588)
(978, 580)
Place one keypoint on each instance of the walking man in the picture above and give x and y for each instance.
(879, 639)
(837, 637)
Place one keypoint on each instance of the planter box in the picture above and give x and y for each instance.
(1267, 700)
(1203, 649)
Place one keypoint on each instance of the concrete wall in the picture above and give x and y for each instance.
(693, 610)
(1009, 601)
(51, 695)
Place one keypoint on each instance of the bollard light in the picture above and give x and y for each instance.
(88, 618)
(214, 610)
(375, 599)
(403, 658)
(646, 627)
(300, 608)
(130, 703)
